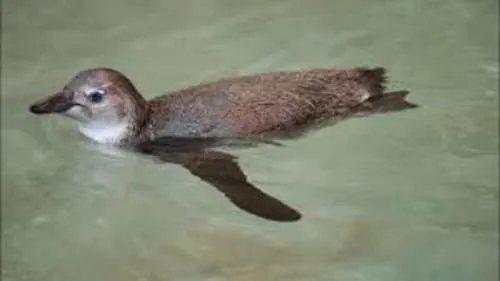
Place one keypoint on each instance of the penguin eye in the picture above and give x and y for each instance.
(96, 96)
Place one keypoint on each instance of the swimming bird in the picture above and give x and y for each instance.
(184, 126)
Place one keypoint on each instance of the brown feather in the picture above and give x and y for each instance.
(265, 103)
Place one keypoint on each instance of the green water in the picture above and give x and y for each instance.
(405, 196)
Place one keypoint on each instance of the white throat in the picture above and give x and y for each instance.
(105, 133)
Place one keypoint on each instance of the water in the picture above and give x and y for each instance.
(406, 196)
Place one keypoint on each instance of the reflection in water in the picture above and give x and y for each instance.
(220, 170)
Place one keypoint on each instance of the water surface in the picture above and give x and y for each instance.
(405, 196)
